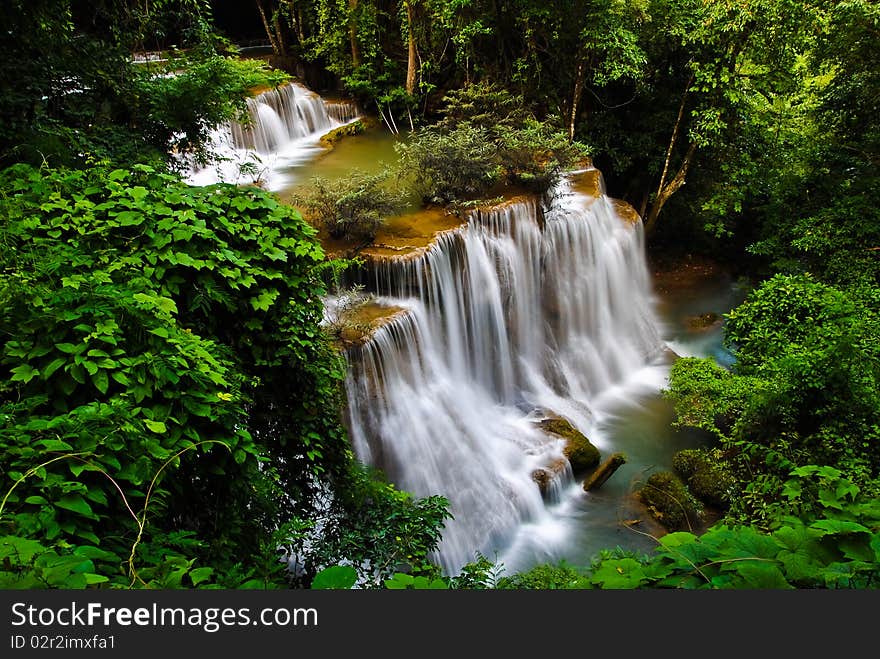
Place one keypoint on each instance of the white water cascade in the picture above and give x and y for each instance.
(519, 313)
(285, 127)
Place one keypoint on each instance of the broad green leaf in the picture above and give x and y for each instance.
(624, 573)
(200, 574)
(100, 381)
(155, 426)
(761, 575)
(53, 366)
(75, 503)
(336, 577)
(837, 526)
(24, 373)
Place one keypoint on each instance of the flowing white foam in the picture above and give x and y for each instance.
(284, 130)
(516, 314)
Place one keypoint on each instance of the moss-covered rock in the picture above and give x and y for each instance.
(704, 321)
(580, 452)
(706, 474)
(670, 502)
(356, 127)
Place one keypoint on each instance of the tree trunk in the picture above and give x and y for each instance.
(666, 190)
(604, 471)
(352, 34)
(411, 58)
(576, 99)
(669, 189)
(269, 33)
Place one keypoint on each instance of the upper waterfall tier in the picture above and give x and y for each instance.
(518, 311)
(283, 130)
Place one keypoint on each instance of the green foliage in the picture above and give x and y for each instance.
(561, 576)
(486, 136)
(450, 166)
(169, 399)
(76, 96)
(706, 474)
(401, 581)
(833, 544)
(353, 208)
(336, 577)
(178, 105)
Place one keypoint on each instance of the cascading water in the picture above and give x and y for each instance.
(284, 131)
(516, 314)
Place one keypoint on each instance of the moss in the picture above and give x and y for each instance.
(703, 321)
(580, 452)
(356, 127)
(670, 502)
(706, 474)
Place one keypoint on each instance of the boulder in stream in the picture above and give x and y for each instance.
(578, 449)
(670, 502)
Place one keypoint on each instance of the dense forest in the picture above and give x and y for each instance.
(171, 398)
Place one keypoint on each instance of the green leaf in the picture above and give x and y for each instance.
(155, 426)
(761, 575)
(53, 366)
(336, 577)
(75, 503)
(264, 300)
(837, 526)
(24, 373)
(624, 573)
(130, 218)
(68, 347)
(200, 574)
(36, 500)
(100, 381)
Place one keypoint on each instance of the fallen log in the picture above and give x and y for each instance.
(604, 471)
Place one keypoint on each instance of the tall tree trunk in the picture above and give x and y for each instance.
(576, 98)
(269, 33)
(666, 190)
(411, 58)
(279, 33)
(669, 189)
(352, 33)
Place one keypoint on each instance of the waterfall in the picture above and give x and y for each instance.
(283, 130)
(520, 312)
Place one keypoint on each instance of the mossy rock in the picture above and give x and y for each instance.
(706, 474)
(578, 449)
(669, 500)
(356, 127)
(704, 321)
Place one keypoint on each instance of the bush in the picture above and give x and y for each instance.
(352, 208)
(450, 167)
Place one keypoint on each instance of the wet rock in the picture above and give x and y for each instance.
(703, 322)
(545, 475)
(580, 452)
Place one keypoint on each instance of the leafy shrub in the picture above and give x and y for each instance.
(169, 401)
(352, 208)
(450, 166)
